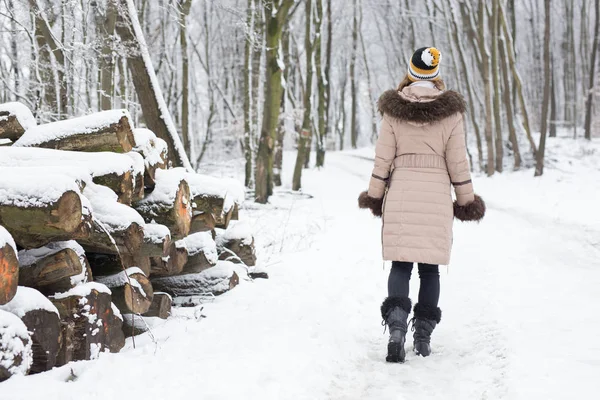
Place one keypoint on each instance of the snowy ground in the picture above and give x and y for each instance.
(520, 304)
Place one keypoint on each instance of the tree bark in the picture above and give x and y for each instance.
(306, 131)
(51, 269)
(353, 84)
(539, 167)
(184, 11)
(485, 60)
(499, 142)
(590, 92)
(508, 105)
(273, 88)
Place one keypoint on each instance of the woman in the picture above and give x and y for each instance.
(420, 152)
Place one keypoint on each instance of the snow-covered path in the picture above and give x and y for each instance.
(519, 300)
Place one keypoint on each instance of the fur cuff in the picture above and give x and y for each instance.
(424, 311)
(392, 302)
(473, 211)
(375, 205)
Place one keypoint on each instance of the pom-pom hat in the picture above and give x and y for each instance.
(425, 64)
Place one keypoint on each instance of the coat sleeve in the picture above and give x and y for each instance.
(458, 165)
(385, 152)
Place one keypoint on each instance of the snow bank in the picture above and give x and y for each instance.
(114, 215)
(15, 344)
(200, 242)
(152, 148)
(83, 290)
(36, 135)
(97, 164)
(6, 238)
(5, 142)
(237, 230)
(33, 190)
(156, 233)
(28, 299)
(21, 112)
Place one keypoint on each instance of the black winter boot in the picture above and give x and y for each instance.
(424, 322)
(394, 312)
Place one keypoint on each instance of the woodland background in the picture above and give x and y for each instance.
(246, 79)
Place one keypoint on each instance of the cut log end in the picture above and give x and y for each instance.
(161, 306)
(9, 274)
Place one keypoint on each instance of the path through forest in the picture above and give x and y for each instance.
(519, 305)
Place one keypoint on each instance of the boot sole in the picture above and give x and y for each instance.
(396, 353)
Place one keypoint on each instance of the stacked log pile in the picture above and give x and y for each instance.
(97, 234)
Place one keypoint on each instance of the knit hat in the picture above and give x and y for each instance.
(424, 64)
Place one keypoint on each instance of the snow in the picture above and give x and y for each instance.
(200, 242)
(229, 189)
(122, 278)
(22, 112)
(33, 190)
(156, 233)
(83, 290)
(165, 191)
(15, 343)
(517, 302)
(114, 215)
(116, 311)
(5, 142)
(97, 164)
(69, 127)
(6, 238)
(162, 106)
(28, 299)
(138, 162)
(152, 148)
(237, 230)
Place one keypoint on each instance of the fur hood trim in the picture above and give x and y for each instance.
(443, 106)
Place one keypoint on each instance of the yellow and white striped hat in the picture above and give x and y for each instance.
(424, 65)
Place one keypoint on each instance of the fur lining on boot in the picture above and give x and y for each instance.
(375, 205)
(424, 311)
(391, 302)
(471, 212)
(445, 105)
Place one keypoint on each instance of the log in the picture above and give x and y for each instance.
(15, 119)
(89, 323)
(202, 222)
(235, 215)
(153, 150)
(201, 252)
(104, 131)
(236, 244)
(172, 264)
(216, 280)
(157, 241)
(161, 306)
(222, 221)
(169, 203)
(131, 290)
(216, 196)
(118, 172)
(134, 325)
(15, 347)
(38, 209)
(110, 264)
(9, 267)
(41, 318)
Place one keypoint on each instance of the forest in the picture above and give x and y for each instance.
(244, 81)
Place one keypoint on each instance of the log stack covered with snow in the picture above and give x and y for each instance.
(98, 234)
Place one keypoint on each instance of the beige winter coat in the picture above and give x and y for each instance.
(420, 152)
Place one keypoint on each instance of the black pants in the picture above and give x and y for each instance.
(429, 291)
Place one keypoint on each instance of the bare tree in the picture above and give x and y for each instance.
(590, 91)
(539, 167)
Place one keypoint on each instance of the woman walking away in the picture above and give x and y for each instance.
(420, 152)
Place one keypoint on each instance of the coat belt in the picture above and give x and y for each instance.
(420, 161)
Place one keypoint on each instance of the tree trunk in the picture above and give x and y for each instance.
(539, 167)
(131, 290)
(273, 88)
(485, 60)
(248, 145)
(553, 116)
(369, 83)
(106, 60)
(184, 11)
(216, 280)
(590, 92)
(50, 269)
(353, 84)
(508, 105)
(499, 142)
(305, 133)
(156, 114)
